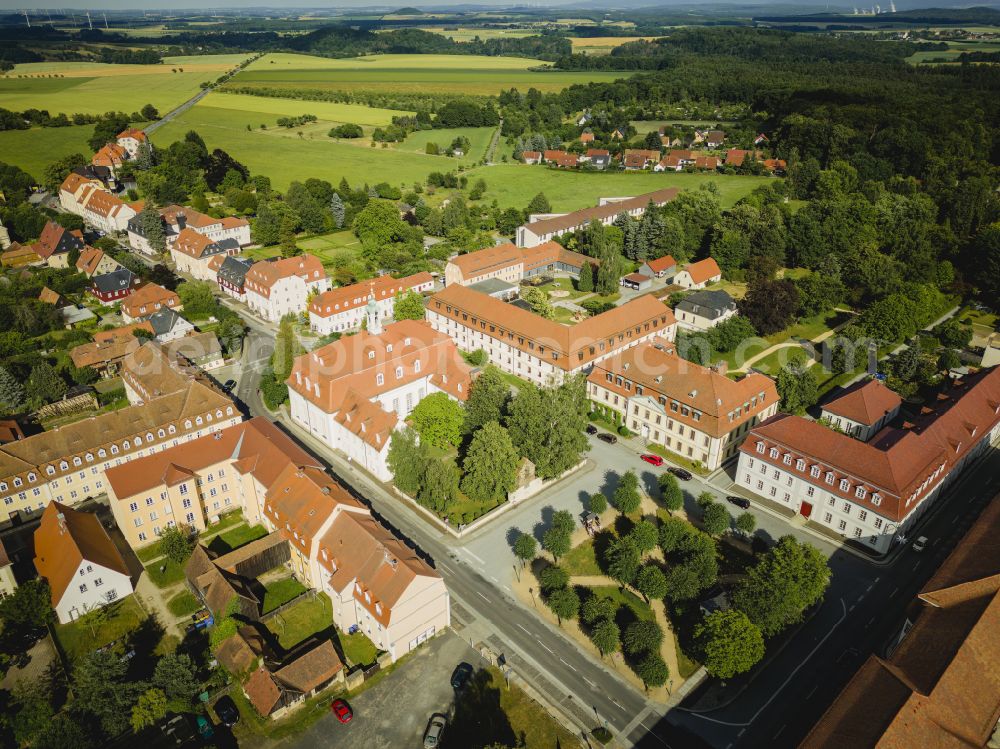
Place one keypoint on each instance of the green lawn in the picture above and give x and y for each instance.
(479, 137)
(165, 573)
(293, 625)
(148, 553)
(465, 74)
(114, 622)
(34, 149)
(327, 111)
(183, 603)
(624, 598)
(95, 88)
(237, 537)
(581, 560)
(358, 649)
(280, 592)
(514, 185)
(228, 520)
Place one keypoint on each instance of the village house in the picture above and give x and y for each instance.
(699, 275)
(598, 158)
(68, 464)
(552, 155)
(191, 253)
(640, 158)
(343, 308)
(275, 288)
(874, 492)
(539, 350)
(193, 483)
(704, 309)
(531, 157)
(71, 190)
(177, 218)
(537, 231)
(113, 287)
(94, 262)
(148, 299)
(8, 582)
(18, 256)
(693, 411)
(55, 243)
(200, 350)
(353, 393)
(92, 201)
(511, 264)
(661, 267)
(49, 296)
(862, 409)
(715, 138)
(79, 560)
(131, 139)
(567, 161)
(633, 162)
(231, 275)
(587, 136)
(168, 325)
(274, 692)
(104, 357)
(110, 156)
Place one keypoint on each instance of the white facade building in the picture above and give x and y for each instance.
(343, 309)
(276, 288)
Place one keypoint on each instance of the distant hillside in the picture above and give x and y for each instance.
(980, 16)
(407, 12)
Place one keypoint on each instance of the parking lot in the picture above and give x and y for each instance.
(394, 712)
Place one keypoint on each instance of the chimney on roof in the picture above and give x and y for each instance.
(721, 366)
(325, 489)
(181, 221)
(692, 394)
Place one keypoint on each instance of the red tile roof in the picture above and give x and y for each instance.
(66, 537)
(661, 264)
(148, 297)
(89, 259)
(703, 270)
(560, 224)
(191, 243)
(864, 403)
(344, 298)
(263, 275)
(262, 691)
(133, 132)
(111, 155)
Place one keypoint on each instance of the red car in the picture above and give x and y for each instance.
(655, 460)
(342, 710)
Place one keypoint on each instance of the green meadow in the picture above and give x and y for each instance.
(32, 150)
(454, 74)
(324, 110)
(95, 88)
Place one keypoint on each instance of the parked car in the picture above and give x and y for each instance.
(205, 729)
(341, 710)
(654, 460)
(227, 711)
(738, 501)
(460, 676)
(591, 429)
(229, 385)
(435, 730)
(921, 543)
(609, 438)
(680, 473)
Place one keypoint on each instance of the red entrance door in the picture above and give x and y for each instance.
(806, 509)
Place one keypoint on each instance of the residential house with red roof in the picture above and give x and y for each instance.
(696, 412)
(130, 139)
(55, 243)
(79, 560)
(343, 308)
(93, 262)
(114, 287)
(176, 218)
(699, 275)
(548, 227)
(862, 409)
(540, 350)
(192, 252)
(195, 482)
(275, 288)
(873, 493)
(531, 157)
(147, 300)
(661, 267)
(511, 264)
(71, 191)
(353, 393)
(18, 256)
(110, 156)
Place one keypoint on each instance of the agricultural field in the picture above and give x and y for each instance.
(331, 112)
(513, 185)
(95, 88)
(602, 45)
(954, 50)
(464, 74)
(647, 126)
(478, 136)
(33, 150)
(462, 34)
(285, 156)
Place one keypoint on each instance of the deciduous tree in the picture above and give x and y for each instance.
(488, 399)
(653, 671)
(716, 519)
(623, 560)
(438, 420)
(408, 306)
(642, 636)
(730, 642)
(626, 497)
(606, 636)
(670, 491)
(407, 459)
(565, 604)
(651, 582)
(175, 543)
(490, 464)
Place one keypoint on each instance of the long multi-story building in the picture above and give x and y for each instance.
(342, 309)
(376, 582)
(696, 412)
(68, 464)
(195, 482)
(176, 218)
(873, 492)
(550, 226)
(511, 264)
(95, 204)
(353, 393)
(539, 350)
(192, 252)
(275, 288)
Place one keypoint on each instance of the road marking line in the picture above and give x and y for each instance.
(742, 731)
(483, 597)
(955, 519)
(592, 684)
(780, 730)
(567, 664)
(852, 607)
(812, 691)
(619, 706)
(894, 592)
(526, 630)
(869, 588)
(473, 556)
(870, 622)
(917, 565)
(545, 646)
(494, 580)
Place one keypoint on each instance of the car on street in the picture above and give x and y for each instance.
(229, 385)
(921, 543)
(460, 676)
(341, 710)
(680, 473)
(653, 460)
(227, 711)
(591, 429)
(609, 438)
(435, 730)
(741, 502)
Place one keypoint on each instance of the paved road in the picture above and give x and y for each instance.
(422, 684)
(150, 129)
(863, 605)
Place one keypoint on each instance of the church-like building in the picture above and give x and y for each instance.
(353, 393)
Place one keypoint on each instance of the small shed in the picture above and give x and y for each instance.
(637, 281)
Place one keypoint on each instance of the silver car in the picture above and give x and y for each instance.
(435, 730)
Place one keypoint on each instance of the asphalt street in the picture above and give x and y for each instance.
(775, 706)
